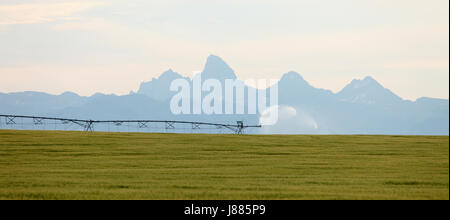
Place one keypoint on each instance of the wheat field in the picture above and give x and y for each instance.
(81, 165)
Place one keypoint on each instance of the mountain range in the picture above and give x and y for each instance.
(364, 106)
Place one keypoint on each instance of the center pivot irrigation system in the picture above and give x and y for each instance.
(88, 125)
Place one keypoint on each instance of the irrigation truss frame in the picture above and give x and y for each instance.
(88, 125)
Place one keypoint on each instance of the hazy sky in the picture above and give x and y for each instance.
(111, 46)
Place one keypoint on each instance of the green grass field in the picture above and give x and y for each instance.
(80, 165)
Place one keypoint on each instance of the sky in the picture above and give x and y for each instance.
(111, 46)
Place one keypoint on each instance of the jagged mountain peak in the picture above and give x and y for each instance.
(217, 68)
(367, 91)
(294, 79)
(292, 75)
(169, 74)
(158, 88)
(366, 82)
